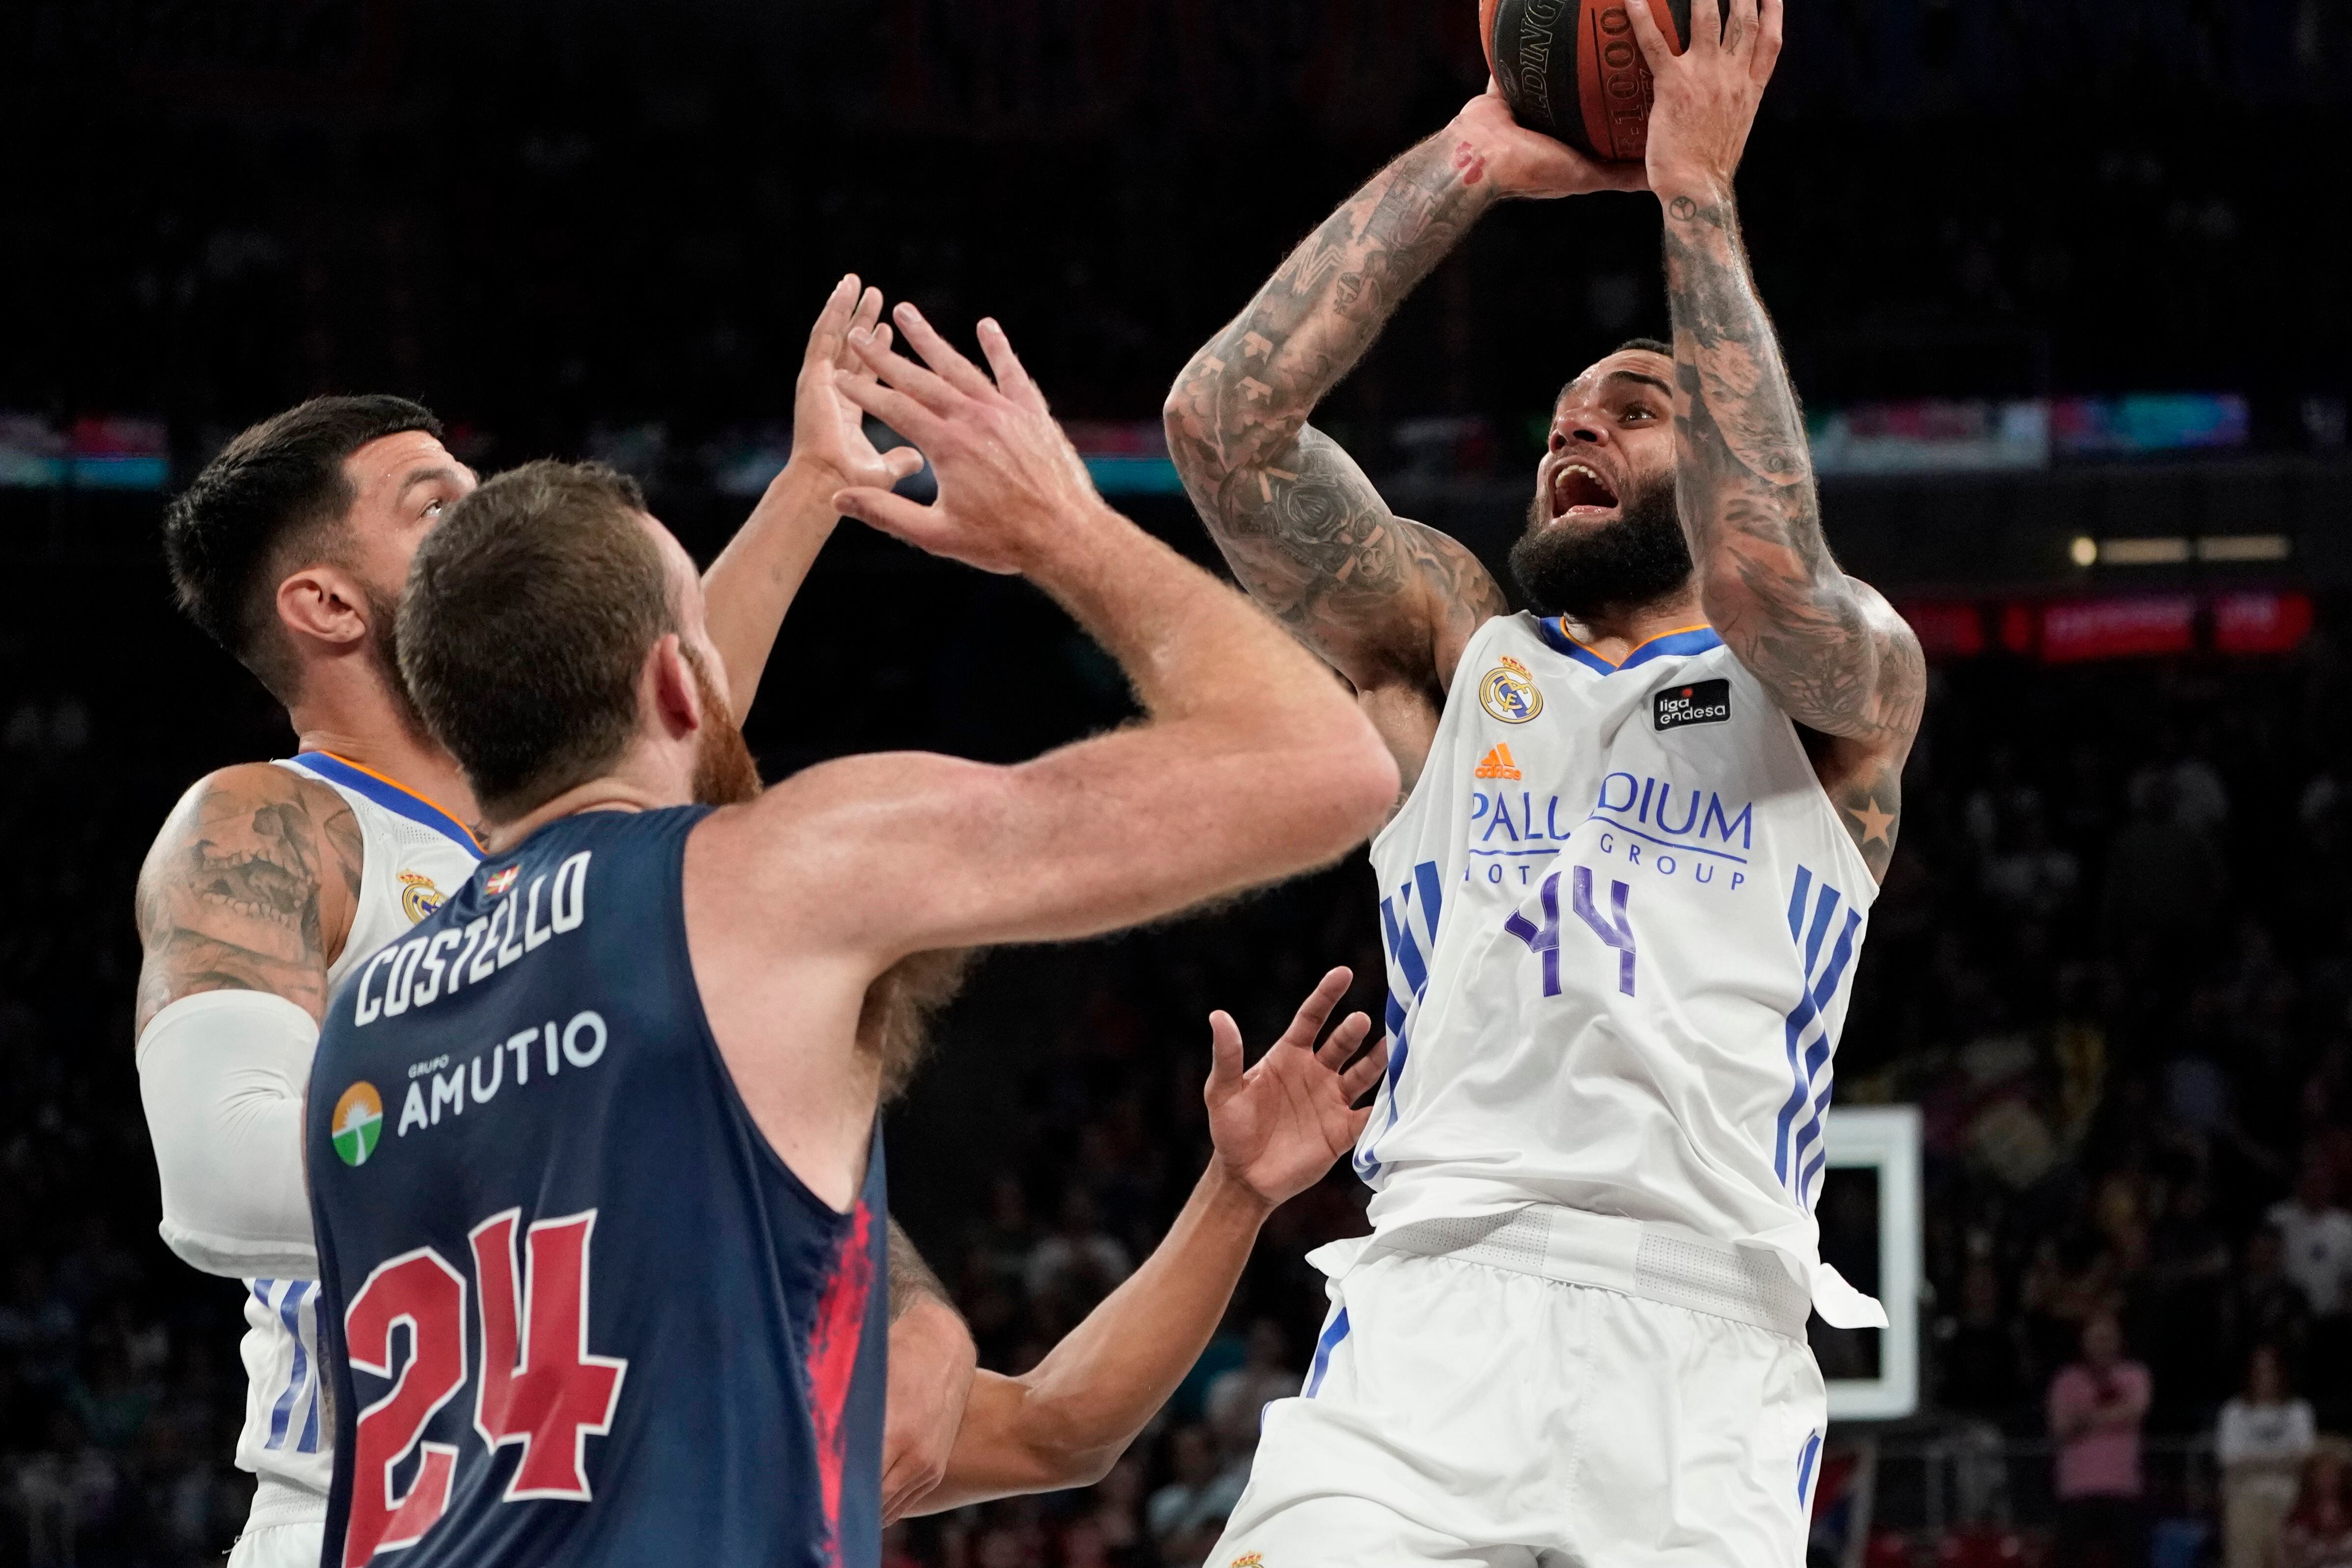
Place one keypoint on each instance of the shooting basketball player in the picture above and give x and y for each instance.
(1621, 902)
(271, 880)
(594, 1154)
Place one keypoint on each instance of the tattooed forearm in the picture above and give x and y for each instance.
(911, 1279)
(1830, 650)
(1305, 530)
(234, 895)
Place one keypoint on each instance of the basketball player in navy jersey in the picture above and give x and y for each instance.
(1621, 902)
(271, 880)
(593, 1157)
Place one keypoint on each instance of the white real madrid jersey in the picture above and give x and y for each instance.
(1621, 918)
(413, 855)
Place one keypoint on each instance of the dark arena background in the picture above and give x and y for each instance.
(2063, 286)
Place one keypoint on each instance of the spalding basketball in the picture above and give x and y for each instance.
(1573, 69)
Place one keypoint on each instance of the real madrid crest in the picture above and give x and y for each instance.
(418, 896)
(1508, 692)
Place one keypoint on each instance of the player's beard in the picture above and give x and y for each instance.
(384, 633)
(1638, 559)
(724, 772)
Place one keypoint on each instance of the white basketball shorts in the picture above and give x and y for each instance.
(1462, 1412)
(278, 1546)
(286, 1529)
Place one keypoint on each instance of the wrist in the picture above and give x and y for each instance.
(1473, 152)
(808, 481)
(1227, 1194)
(1684, 192)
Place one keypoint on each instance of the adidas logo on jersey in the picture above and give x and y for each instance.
(1497, 764)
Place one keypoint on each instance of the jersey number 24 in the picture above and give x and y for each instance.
(539, 1386)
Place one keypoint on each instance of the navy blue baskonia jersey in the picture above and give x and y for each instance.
(580, 1312)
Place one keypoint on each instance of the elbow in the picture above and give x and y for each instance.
(1358, 781)
(1370, 782)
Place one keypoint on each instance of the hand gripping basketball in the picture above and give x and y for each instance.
(1706, 97)
(1009, 479)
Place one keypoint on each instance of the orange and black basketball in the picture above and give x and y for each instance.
(1572, 68)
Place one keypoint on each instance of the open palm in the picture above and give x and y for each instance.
(828, 430)
(1278, 1125)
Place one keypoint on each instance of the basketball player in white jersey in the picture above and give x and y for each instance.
(270, 881)
(1621, 898)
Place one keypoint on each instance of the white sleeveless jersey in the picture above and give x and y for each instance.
(1621, 918)
(413, 855)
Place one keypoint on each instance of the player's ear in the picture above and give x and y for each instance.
(676, 704)
(323, 603)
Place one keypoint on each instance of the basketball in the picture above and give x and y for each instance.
(1573, 69)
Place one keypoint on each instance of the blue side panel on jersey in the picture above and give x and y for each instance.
(1433, 899)
(398, 801)
(1809, 1089)
(290, 1313)
(1404, 952)
(1817, 1057)
(1332, 1335)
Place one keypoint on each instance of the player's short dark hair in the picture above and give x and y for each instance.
(275, 491)
(528, 615)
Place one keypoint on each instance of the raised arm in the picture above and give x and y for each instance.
(1828, 647)
(1277, 1127)
(1389, 603)
(752, 583)
(1251, 763)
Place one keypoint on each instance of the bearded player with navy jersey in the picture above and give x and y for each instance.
(593, 1155)
(1621, 902)
(272, 880)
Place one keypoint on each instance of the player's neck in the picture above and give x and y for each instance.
(1615, 633)
(642, 783)
(373, 731)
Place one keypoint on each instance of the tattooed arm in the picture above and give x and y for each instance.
(1832, 651)
(1389, 603)
(243, 902)
(250, 886)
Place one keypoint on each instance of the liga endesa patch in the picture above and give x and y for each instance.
(1700, 702)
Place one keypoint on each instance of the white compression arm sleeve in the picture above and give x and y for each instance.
(221, 1074)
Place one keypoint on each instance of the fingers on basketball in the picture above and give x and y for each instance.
(1654, 51)
(1770, 19)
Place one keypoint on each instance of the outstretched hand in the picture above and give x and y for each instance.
(1278, 1125)
(1491, 144)
(1009, 479)
(829, 439)
(1706, 97)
